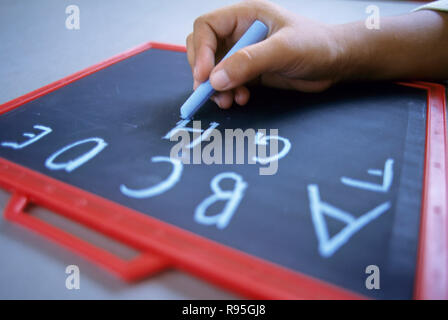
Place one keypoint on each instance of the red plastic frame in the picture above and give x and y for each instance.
(163, 246)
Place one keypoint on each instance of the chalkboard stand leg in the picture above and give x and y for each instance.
(135, 269)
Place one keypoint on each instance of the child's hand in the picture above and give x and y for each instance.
(297, 54)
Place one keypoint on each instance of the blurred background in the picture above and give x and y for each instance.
(36, 49)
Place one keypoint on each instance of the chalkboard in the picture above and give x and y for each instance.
(347, 193)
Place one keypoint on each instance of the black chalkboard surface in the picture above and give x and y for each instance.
(346, 195)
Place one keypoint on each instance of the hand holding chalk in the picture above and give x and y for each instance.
(256, 33)
(299, 53)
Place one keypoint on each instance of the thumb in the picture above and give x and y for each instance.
(245, 65)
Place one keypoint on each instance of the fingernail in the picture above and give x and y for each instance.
(216, 100)
(220, 79)
(195, 72)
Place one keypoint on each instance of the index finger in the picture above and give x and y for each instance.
(226, 24)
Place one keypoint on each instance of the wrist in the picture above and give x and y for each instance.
(400, 49)
(354, 53)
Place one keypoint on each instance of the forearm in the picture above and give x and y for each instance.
(412, 46)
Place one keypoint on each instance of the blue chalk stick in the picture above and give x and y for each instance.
(256, 33)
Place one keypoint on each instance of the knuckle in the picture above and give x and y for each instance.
(198, 22)
(256, 4)
(280, 45)
(244, 56)
(252, 2)
(242, 65)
